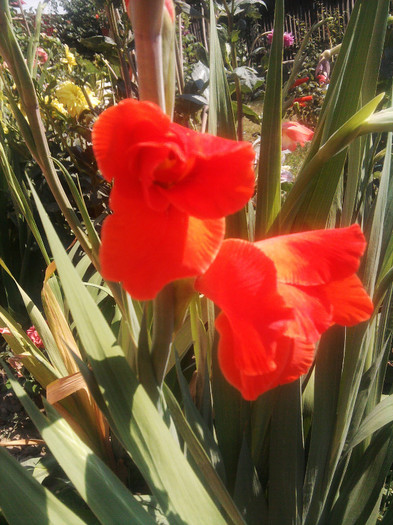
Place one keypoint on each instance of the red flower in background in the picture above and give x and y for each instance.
(31, 333)
(302, 101)
(277, 297)
(172, 189)
(35, 338)
(293, 134)
(42, 55)
(322, 79)
(300, 81)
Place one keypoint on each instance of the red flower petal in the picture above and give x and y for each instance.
(277, 297)
(221, 180)
(205, 176)
(312, 312)
(315, 257)
(172, 189)
(292, 359)
(120, 127)
(243, 282)
(176, 246)
(350, 302)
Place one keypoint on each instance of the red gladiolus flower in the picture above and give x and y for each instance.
(277, 297)
(172, 189)
(293, 134)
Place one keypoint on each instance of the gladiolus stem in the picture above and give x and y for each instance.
(146, 18)
(110, 11)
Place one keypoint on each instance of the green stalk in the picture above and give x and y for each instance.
(111, 14)
(269, 170)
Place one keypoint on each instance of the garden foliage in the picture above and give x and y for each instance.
(212, 338)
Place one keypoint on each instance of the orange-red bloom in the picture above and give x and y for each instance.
(293, 134)
(300, 81)
(172, 189)
(277, 297)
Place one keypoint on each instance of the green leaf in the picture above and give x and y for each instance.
(327, 383)
(286, 457)
(91, 231)
(133, 417)
(40, 324)
(249, 496)
(379, 226)
(361, 488)
(380, 416)
(248, 77)
(198, 425)
(330, 152)
(231, 414)
(96, 483)
(269, 169)
(300, 57)
(221, 119)
(24, 500)
(200, 456)
(21, 201)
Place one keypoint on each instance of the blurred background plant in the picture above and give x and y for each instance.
(317, 451)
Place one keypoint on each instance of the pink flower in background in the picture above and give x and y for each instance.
(293, 134)
(5, 331)
(288, 38)
(42, 55)
(17, 3)
(35, 338)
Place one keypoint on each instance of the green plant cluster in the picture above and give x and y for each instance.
(140, 424)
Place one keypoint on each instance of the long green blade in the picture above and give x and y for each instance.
(24, 500)
(269, 170)
(134, 418)
(95, 482)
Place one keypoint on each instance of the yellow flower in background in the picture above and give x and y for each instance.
(73, 99)
(94, 101)
(69, 58)
(56, 105)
